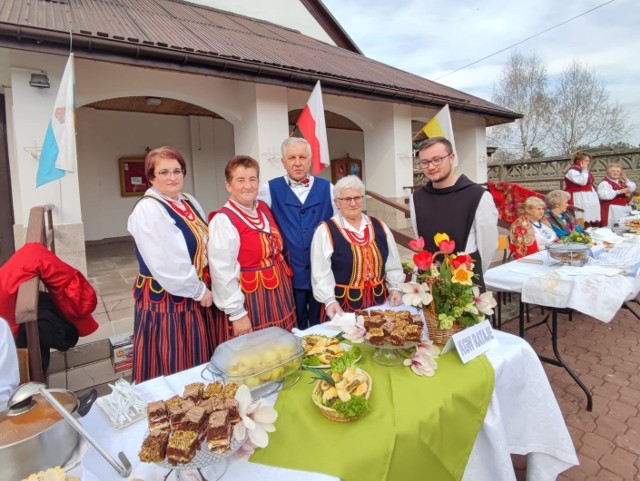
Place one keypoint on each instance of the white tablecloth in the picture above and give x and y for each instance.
(523, 418)
(547, 284)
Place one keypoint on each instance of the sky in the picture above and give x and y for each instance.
(432, 38)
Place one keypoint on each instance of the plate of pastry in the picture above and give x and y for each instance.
(321, 350)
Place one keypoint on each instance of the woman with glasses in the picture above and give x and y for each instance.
(580, 185)
(355, 262)
(251, 280)
(174, 319)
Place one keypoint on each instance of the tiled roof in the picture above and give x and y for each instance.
(183, 36)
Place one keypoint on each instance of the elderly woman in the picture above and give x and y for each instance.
(530, 232)
(580, 185)
(615, 191)
(354, 258)
(174, 322)
(251, 280)
(559, 218)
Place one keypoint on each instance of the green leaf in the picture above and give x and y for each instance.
(356, 406)
(321, 375)
(312, 361)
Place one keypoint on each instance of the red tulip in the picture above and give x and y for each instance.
(461, 259)
(447, 247)
(423, 260)
(417, 244)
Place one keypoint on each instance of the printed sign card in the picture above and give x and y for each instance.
(472, 341)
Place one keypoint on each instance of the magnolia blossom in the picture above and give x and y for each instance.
(256, 420)
(428, 348)
(415, 294)
(423, 362)
(352, 327)
(484, 302)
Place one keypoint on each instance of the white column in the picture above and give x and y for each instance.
(471, 144)
(387, 146)
(263, 126)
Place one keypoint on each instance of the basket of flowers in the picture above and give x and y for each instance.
(445, 289)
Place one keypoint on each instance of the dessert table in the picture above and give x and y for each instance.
(523, 418)
(598, 289)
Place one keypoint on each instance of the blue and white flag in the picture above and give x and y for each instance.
(58, 154)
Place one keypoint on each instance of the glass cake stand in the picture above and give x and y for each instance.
(216, 464)
(389, 355)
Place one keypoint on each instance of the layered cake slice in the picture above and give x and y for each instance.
(376, 336)
(194, 420)
(413, 332)
(193, 392)
(213, 389)
(229, 391)
(157, 416)
(219, 431)
(396, 337)
(182, 447)
(177, 413)
(232, 406)
(212, 404)
(371, 322)
(154, 447)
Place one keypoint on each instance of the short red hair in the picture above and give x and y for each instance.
(164, 152)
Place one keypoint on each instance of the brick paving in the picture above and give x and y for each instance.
(607, 359)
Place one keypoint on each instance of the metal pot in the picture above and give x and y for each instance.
(34, 436)
(65, 431)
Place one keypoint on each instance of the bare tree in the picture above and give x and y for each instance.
(523, 88)
(584, 114)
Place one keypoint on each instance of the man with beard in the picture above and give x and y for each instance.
(452, 204)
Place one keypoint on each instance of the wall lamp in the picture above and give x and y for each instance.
(153, 101)
(39, 81)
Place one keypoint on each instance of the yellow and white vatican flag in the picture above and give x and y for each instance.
(440, 126)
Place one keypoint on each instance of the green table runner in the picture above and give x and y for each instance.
(417, 428)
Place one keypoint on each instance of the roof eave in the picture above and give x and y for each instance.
(144, 54)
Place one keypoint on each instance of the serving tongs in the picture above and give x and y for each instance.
(23, 394)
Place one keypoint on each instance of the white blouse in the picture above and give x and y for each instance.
(578, 176)
(323, 282)
(545, 235)
(163, 247)
(607, 192)
(223, 250)
(9, 370)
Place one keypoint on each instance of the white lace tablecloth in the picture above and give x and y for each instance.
(591, 290)
(523, 418)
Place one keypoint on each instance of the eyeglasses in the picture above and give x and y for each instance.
(168, 173)
(348, 200)
(436, 161)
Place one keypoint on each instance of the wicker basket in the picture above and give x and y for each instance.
(332, 414)
(439, 336)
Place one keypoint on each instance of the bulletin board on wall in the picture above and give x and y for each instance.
(133, 181)
(345, 166)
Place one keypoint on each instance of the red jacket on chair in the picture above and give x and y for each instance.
(70, 291)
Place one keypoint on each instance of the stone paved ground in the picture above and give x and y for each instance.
(607, 359)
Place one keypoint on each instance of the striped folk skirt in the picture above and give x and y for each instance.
(171, 336)
(267, 307)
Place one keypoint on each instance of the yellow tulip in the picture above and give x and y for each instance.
(439, 237)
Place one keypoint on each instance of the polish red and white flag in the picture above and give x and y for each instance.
(313, 128)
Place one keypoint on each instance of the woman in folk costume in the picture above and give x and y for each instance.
(580, 185)
(354, 258)
(615, 192)
(557, 214)
(251, 280)
(530, 232)
(174, 319)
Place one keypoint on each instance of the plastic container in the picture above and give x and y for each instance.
(264, 360)
(571, 253)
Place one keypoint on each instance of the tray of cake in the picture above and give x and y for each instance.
(193, 430)
(264, 360)
(391, 328)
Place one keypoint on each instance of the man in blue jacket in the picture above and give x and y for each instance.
(299, 202)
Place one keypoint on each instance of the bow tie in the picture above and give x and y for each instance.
(303, 183)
